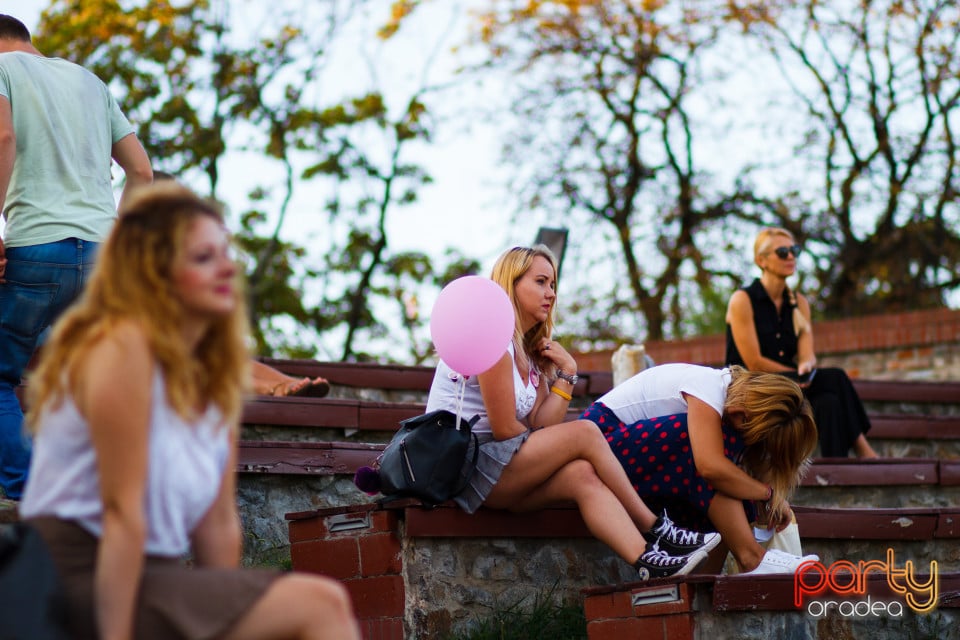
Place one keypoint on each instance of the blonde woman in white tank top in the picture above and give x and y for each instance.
(530, 457)
(136, 405)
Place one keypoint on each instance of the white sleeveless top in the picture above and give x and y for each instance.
(186, 467)
(445, 391)
(659, 391)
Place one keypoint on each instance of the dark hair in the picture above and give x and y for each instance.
(13, 29)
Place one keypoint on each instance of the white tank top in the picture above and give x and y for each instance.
(187, 463)
(445, 390)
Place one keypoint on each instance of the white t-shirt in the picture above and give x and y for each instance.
(658, 391)
(186, 467)
(445, 392)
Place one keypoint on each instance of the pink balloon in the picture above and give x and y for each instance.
(471, 324)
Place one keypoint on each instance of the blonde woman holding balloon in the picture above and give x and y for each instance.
(529, 456)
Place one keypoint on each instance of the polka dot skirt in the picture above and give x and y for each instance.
(656, 455)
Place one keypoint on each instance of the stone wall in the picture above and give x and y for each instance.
(427, 587)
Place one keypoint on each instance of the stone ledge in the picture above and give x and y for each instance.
(740, 593)
(449, 521)
(594, 382)
(450, 567)
(344, 458)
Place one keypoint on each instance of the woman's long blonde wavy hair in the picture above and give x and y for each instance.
(132, 282)
(509, 268)
(761, 246)
(779, 430)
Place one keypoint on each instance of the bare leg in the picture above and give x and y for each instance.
(548, 449)
(268, 381)
(862, 448)
(603, 514)
(728, 516)
(300, 606)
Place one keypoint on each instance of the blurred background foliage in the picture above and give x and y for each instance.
(662, 134)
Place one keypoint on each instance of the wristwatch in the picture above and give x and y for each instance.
(572, 379)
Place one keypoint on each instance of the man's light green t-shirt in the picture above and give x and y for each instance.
(66, 123)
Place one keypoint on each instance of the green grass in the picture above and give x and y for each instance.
(544, 620)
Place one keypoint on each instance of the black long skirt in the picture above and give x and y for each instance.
(840, 415)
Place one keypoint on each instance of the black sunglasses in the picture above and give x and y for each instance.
(784, 252)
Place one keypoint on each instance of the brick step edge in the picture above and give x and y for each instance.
(744, 593)
(449, 521)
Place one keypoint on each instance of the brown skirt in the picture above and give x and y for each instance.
(175, 601)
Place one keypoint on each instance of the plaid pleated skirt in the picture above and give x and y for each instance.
(494, 456)
(175, 601)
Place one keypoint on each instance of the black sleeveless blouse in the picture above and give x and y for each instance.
(775, 332)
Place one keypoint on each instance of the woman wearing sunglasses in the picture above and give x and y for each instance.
(769, 329)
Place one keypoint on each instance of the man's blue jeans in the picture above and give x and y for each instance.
(41, 281)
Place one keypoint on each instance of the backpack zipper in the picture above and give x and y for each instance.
(406, 460)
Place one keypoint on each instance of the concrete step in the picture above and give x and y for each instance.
(927, 537)
(885, 483)
(916, 448)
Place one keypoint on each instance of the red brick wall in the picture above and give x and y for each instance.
(922, 344)
(613, 616)
(362, 550)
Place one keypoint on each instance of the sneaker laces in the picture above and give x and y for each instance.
(676, 534)
(660, 558)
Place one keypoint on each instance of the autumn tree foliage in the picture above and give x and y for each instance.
(663, 134)
(611, 84)
(618, 107)
(204, 85)
(876, 87)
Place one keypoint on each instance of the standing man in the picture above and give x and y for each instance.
(59, 129)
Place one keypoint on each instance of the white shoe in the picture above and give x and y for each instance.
(776, 561)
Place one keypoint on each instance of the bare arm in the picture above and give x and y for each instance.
(551, 408)
(806, 357)
(217, 541)
(740, 319)
(133, 159)
(499, 398)
(114, 392)
(8, 154)
(706, 443)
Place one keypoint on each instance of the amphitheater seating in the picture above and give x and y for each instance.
(380, 553)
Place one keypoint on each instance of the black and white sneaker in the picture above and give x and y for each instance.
(657, 563)
(678, 541)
